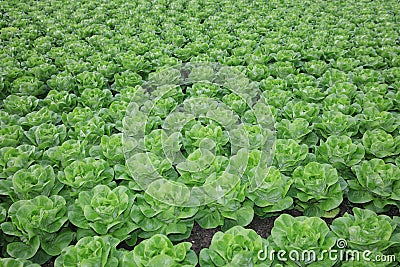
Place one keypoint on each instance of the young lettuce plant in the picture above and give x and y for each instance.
(343, 88)
(301, 109)
(381, 144)
(289, 155)
(318, 189)
(340, 152)
(302, 234)
(341, 103)
(46, 135)
(304, 84)
(272, 84)
(37, 118)
(13, 159)
(95, 98)
(66, 153)
(62, 82)
(277, 97)
(286, 55)
(37, 223)
(114, 114)
(90, 129)
(365, 230)
(89, 79)
(111, 148)
(371, 118)
(77, 115)
(104, 211)
(236, 247)
(298, 129)
(333, 76)
(194, 136)
(282, 69)
(85, 174)
(203, 89)
(271, 195)
(155, 217)
(309, 93)
(7, 119)
(374, 99)
(60, 101)
(11, 136)
(159, 251)
(31, 182)
(229, 210)
(43, 71)
(336, 123)
(377, 183)
(20, 105)
(315, 67)
(90, 251)
(257, 72)
(379, 88)
(201, 159)
(126, 78)
(29, 86)
(133, 62)
(105, 67)
(392, 75)
(236, 103)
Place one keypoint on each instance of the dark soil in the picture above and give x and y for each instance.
(201, 238)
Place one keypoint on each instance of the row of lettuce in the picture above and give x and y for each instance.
(70, 74)
(362, 239)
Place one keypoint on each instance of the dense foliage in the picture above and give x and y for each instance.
(132, 120)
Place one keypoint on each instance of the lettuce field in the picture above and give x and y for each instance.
(199, 133)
